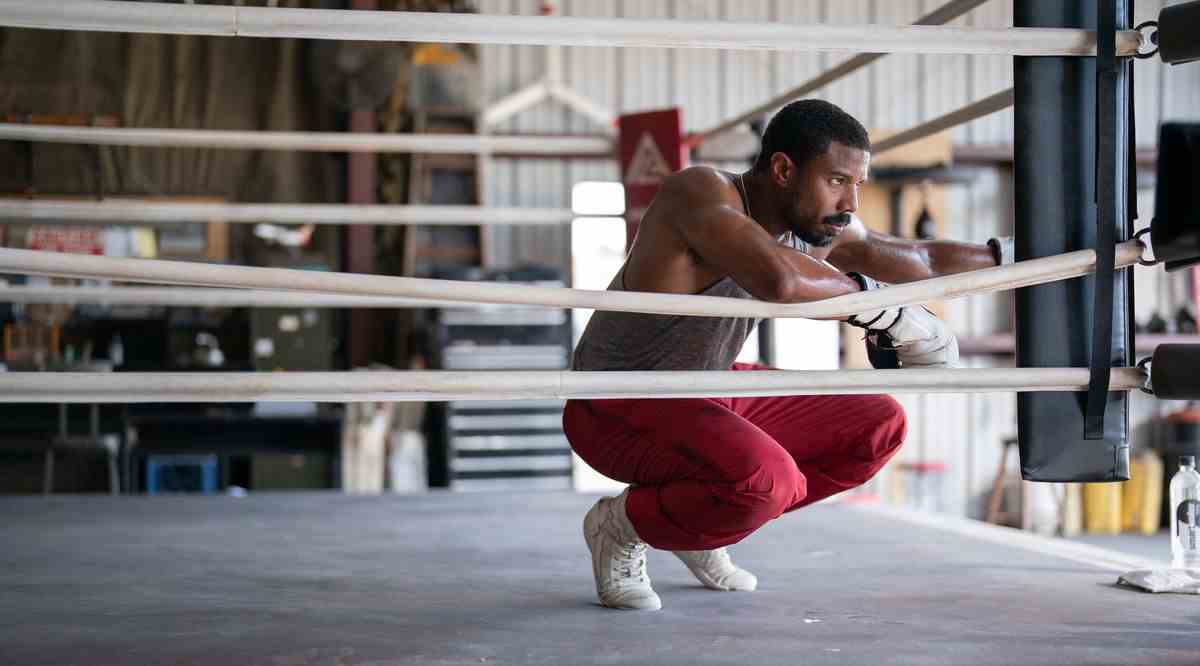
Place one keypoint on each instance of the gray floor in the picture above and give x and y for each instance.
(1155, 547)
(288, 580)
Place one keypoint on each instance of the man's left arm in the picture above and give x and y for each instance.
(894, 260)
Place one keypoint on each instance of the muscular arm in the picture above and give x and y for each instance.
(894, 260)
(730, 243)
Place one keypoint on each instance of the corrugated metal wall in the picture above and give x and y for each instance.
(963, 431)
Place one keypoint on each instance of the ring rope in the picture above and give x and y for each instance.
(229, 21)
(999, 278)
(203, 297)
(597, 147)
(421, 385)
(151, 212)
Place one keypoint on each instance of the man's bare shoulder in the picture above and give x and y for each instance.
(700, 185)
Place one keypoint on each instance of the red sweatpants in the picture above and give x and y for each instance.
(706, 472)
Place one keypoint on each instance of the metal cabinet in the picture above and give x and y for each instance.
(511, 444)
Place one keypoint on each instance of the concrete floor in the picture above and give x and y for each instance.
(290, 580)
(1154, 547)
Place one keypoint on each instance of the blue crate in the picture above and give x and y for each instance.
(181, 474)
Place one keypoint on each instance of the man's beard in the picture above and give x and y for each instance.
(815, 236)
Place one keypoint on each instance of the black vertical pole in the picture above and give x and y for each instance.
(1055, 181)
(766, 342)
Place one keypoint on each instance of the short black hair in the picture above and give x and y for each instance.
(803, 130)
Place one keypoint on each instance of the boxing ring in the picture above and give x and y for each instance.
(451, 579)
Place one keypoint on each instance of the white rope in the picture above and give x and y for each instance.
(974, 111)
(373, 386)
(939, 16)
(149, 212)
(575, 146)
(165, 18)
(200, 297)
(1020, 274)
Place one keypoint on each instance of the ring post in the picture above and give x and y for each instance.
(1055, 196)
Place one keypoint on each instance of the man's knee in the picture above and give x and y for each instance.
(774, 487)
(887, 427)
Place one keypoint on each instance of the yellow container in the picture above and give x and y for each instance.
(1102, 508)
(1141, 499)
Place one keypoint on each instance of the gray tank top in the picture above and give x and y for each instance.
(637, 341)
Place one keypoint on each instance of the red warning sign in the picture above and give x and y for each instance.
(651, 148)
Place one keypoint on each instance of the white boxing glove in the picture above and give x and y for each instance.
(906, 337)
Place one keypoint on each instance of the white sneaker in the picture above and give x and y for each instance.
(717, 571)
(618, 557)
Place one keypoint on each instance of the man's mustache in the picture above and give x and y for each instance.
(839, 220)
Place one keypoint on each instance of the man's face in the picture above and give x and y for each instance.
(821, 195)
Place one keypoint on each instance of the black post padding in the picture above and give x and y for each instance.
(1175, 372)
(1179, 33)
(1055, 212)
(1175, 230)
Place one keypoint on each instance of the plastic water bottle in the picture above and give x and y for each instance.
(1185, 515)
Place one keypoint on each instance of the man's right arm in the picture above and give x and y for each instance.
(736, 245)
(726, 239)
